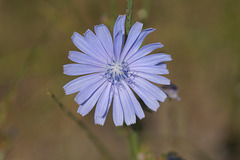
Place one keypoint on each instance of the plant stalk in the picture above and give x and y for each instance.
(95, 140)
(129, 16)
(133, 143)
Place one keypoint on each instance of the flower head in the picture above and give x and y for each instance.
(171, 91)
(112, 70)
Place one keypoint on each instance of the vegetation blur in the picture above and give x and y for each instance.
(203, 38)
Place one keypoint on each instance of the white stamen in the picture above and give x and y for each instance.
(115, 72)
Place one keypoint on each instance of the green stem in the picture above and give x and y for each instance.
(133, 135)
(129, 16)
(133, 143)
(101, 148)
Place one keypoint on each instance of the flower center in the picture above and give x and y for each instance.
(115, 72)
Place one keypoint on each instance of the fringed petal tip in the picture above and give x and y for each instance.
(99, 120)
(122, 15)
(86, 32)
(81, 112)
(65, 69)
(160, 45)
(79, 109)
(100, 124)
(118, 125)
(139, 24)
(74, 35)
(130, 123)
(155, 110)
(65, 91)
(99, 25)
(167, 58)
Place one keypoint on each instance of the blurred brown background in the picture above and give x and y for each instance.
(203, 38)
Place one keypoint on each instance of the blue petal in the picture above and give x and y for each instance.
(87, 91)
(132, 37)
(85, 47)
(151, 69)
(137, 107)
(117, 110)
(144, 51)
(147, 98)
(119, 26)
(93, 40)
(105, 37)
(152, 60)
(138, 42)
(79, 57)
(80, 69)
(85, 108)
(79, 83)
(154, 78)
(103, 102)
(101, 120)
(128, 110)
(161, 65)
(151, 88)
(118, 44)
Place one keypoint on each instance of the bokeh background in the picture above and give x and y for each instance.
(203, 38)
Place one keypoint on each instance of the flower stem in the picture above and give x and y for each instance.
(101, 148)
(132, 135)
(133, 143)
(129, 16)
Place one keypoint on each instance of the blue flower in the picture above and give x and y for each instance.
(112, 70)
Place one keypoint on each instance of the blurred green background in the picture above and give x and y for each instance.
(203, 38)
